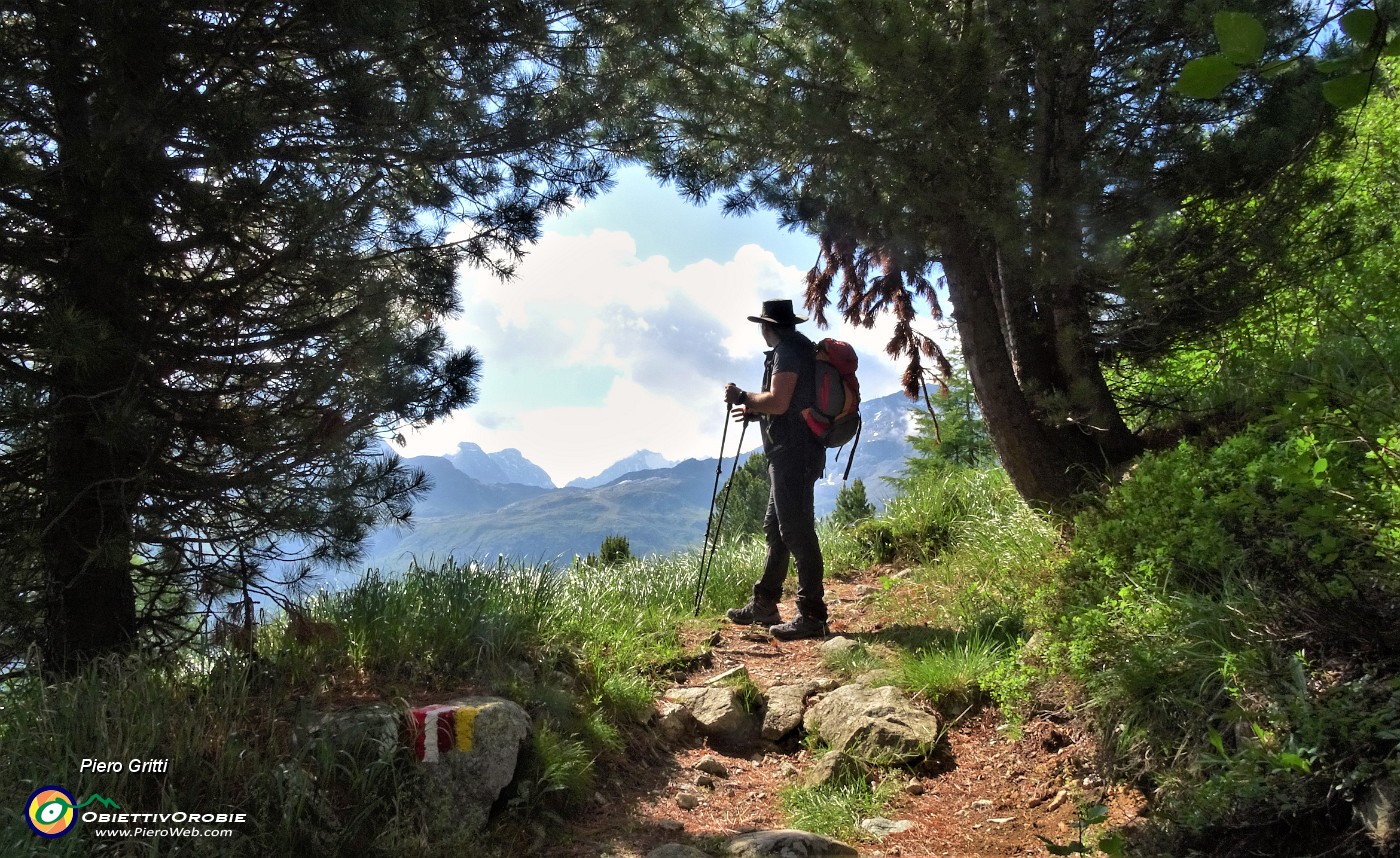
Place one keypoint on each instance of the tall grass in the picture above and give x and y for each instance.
(585, 647)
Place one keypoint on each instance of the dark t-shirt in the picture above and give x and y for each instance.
(786, 435)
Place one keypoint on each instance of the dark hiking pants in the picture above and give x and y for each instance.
(791, 529)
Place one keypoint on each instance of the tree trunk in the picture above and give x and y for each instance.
(1029, 451)
(96, 447)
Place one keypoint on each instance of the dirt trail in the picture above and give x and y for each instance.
(986, 792)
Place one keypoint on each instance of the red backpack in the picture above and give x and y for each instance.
(835, 413)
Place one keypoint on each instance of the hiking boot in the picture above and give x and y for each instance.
(800, 627)
(755, 613)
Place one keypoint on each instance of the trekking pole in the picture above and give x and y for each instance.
(710, 518)
(719, 526)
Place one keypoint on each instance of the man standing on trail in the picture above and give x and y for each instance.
(796, 459)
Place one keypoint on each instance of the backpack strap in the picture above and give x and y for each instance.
(855, 442)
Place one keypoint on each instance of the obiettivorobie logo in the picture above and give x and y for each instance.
(52, 812)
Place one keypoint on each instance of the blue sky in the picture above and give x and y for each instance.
(622, 326)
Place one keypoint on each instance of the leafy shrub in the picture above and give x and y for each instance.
(1199, 603)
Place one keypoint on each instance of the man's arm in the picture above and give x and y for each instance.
(775, 401)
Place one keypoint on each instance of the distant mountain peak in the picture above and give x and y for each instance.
(508, 466)
(642, 460)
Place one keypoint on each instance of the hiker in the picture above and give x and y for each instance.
(796, 459)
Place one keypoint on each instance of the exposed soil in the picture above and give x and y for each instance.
(988, 791)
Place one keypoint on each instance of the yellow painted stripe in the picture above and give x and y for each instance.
(466, 721)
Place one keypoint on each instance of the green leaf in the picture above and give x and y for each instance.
(1242, 37)
(1207, 77)
(1360, 25)
(1293, 761)
(1113, 844)
(1348, 90)
(1392, 48)
(1094, 814)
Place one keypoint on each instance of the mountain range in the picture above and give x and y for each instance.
(482, 505)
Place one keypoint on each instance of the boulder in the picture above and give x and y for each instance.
(365, 733)
(719, 713)
(786, 703)
(674, 722)
(873, 723)
(787, 843)
(472, 746)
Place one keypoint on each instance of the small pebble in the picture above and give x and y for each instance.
(687, 801)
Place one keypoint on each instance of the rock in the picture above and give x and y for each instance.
(488, 734)
(915, 787)
(670, 826)
(676, 850)
(878, 678)
(786, 703)
(705, 781)
(833, 767)
(719, 713)
(674, 722)
(366, 733)
(787, 843)
(838, 647)
(710, 766)
(881, 827)
(687, 801)
(877, 724)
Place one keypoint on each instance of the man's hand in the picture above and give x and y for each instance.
(732, 394)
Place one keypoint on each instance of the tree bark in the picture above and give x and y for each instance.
(96, 447)
(1029, 451)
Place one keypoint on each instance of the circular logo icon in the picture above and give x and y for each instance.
(51, 811)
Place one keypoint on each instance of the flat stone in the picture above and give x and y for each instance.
(881, 827)
(787, 843)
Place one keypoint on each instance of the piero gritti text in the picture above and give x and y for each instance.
(133, 766)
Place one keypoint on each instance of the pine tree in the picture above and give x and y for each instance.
(225, 267)
(747, 502)
(1023, 148)
(852, 505)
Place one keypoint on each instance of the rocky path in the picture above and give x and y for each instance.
(986, 791)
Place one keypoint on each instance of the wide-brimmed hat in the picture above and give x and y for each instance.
(778, 312)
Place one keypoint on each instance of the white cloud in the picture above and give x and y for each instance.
(592, 353)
